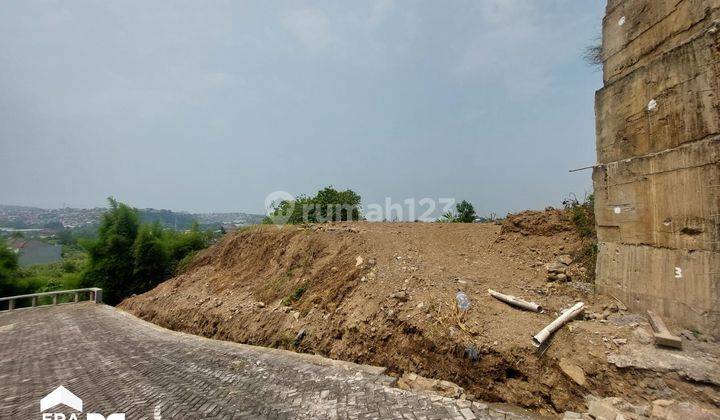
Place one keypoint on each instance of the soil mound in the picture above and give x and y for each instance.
(542, 223)
(384, 294)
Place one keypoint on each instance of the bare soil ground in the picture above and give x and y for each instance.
(384, 294)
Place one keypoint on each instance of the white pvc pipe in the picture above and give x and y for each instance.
(545, 333)
(512, 300)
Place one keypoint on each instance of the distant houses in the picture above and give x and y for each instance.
(33, 251)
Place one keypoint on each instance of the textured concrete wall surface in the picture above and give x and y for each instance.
(636, 32)
(657, 186)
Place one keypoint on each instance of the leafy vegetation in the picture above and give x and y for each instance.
(295, 296)
(129, 257)
(8, 270)
(61, 275)
(464, 213)
(328, 204)
(122, 255)
(582, 215)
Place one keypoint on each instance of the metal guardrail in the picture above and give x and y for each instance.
(94, 293)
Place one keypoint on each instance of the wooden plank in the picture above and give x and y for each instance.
(663, 336)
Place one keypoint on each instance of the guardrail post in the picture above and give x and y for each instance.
(94, 294)
(98, 296)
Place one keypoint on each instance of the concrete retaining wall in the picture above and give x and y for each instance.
(636, 32)
(668, 200)
(672, 101)
(657, 190)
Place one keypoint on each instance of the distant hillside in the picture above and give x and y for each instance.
(23, 217)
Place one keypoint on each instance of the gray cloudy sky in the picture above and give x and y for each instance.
(211, 105)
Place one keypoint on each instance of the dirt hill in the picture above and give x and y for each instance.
(384, 294)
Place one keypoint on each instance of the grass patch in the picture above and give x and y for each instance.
(582, 215)
(295, 295)
(285, 340)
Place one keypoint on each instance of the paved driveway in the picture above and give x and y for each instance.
(115, 362)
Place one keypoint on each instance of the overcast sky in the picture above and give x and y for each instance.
(212, 105)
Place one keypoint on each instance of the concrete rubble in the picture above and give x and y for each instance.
(614, 408)
(414, 382)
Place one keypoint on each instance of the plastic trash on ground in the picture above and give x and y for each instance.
(463, 301)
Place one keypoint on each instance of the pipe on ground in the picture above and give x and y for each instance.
(514, 301)
(546, 332)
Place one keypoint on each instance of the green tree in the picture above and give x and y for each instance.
(8, 270)
(150, 258)
(180, 244)
(328, 204)
(65, 237)
(465, 212)
(333, 205)
(111, 262)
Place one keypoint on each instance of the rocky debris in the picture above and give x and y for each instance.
(621, 319)
(299, 337)
(696, 336)
(673, 410)
(556, 267)
(401, 296)
(573, 371)
(571, 415)
(472, 354)
(688, 335)
(565, 259)
(558, 270)
(587, 288)
(614, 408)
(691, 366)
(642, 336)
(541, 223)
(415, 382)
(331, 227)
(604, 409)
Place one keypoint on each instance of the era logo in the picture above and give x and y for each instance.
(61, 396)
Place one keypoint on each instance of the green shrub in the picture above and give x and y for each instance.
(328, 204)
(129, 257)
(582, 215)
(295, 296)
(464, 213)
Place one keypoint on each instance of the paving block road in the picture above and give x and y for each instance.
(117, 363)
